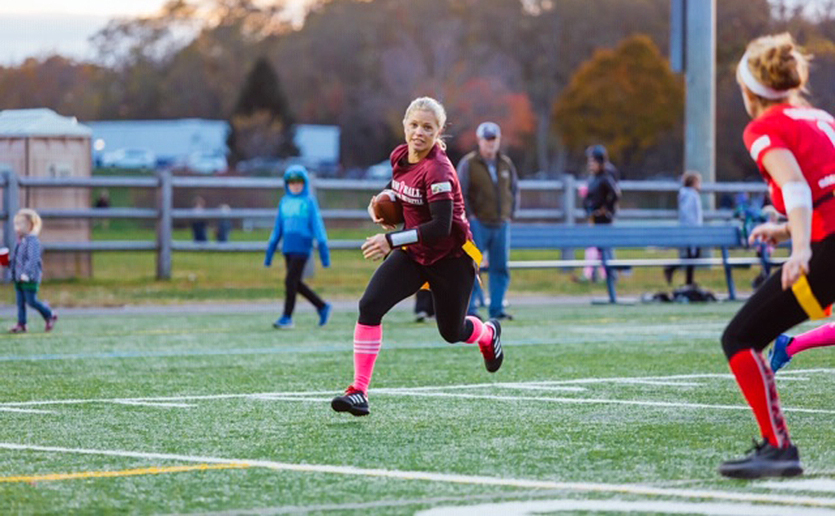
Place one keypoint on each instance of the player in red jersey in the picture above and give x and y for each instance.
(435, 247)
(794, 146)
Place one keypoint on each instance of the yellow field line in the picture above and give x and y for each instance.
(123, 473)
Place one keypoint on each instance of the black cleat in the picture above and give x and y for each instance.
(492, 352)
(353, 401)
(764, 460)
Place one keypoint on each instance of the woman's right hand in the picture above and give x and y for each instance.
(796, 266)
(769, 233)
(381, 222)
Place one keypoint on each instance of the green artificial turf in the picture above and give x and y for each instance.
(577, 400)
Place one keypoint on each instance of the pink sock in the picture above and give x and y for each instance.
(367, 343)
(823, 336)
(482, 333)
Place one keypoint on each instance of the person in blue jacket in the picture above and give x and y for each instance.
(297, 224)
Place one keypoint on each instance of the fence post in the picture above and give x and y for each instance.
(165, 205)
(569, 201)
(11, 203)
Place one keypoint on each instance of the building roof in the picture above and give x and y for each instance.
(40, 122)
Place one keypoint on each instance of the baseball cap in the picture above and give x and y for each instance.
(488, 130)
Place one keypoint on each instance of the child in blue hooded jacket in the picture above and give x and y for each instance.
(298, 222)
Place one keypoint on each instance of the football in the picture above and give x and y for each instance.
(388, 208)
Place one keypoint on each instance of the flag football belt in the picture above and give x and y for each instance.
(472, 251)
(807, 300)
(829, 196)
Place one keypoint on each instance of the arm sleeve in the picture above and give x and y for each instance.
(428, 232)
(320, 234)
(275, 237)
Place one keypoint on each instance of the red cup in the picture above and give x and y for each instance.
(4, 256)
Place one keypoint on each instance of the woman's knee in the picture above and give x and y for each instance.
(731, 342)
(371, 313)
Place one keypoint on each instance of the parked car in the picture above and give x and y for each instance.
(130, 158)
(207, 162)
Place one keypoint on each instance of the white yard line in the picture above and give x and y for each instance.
(533, 507)
(26, 411)
(544, 384)
(601, 401)
(587, 487)
(826, 485)
(152, 404)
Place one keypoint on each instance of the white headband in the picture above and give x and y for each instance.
(756, 86)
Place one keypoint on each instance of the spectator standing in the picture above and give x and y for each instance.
(224, 225)
(603, 192)
(102, 203)
(689, 214)
(198, 225)
(490, 186)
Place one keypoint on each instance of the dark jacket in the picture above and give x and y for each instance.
(603, 195)
(26, 259)
(488, 201)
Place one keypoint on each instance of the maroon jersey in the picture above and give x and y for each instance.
(810, 135)
(416, 185)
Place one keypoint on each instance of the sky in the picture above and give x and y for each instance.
(37, 28)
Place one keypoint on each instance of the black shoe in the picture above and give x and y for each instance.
(353, 401)
(504, 316)
(421, 317)
(492, 352)
(764, 460)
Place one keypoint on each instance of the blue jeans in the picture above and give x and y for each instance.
(495, 241)
(30, 297)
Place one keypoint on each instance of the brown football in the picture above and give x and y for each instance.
(388, 208)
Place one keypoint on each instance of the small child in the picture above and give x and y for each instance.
(27, 269)
(298, 222)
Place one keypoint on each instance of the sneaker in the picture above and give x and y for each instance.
(18, 328)
(50, 323)
(324, 314)
(504, 316)
(353, 401)
(421, 316)
(283, 323)
(764, 460)
(492, 352)
(777, 356)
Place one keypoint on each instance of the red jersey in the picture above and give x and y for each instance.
(416, 185)
(810, 135)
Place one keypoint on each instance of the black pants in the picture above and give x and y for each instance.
(293, 284)
(450, 280)
(772, 310)
(689, 252)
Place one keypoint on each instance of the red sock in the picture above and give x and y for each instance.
(757, 383)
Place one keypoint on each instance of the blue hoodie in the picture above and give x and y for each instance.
(298, 222)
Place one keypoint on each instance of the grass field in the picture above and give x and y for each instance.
(597, 408)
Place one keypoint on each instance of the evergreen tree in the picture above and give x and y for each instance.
(261, 122)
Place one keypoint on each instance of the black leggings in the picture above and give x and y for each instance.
(293, 283)
(450, 280)
(690, 252)
(772, 310)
